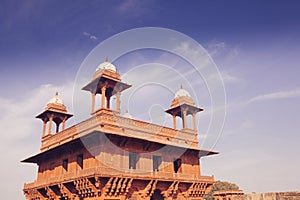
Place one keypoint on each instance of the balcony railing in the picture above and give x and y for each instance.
(133, 128)
(109, 172)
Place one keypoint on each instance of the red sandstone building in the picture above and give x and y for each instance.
(110, 156)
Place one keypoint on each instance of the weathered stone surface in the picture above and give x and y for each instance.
(273, 196)
(227, 195)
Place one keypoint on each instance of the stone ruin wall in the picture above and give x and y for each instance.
(270, 196)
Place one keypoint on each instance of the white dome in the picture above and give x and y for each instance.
(56, 100)
(127, 115)
(182, 93)
(107, 65)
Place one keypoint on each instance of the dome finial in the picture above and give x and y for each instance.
(56, 99)
(106, 60)
(182, 92)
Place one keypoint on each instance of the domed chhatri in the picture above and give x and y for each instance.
(183, 105)
(106, 65)
(106, 82)
(56, 112)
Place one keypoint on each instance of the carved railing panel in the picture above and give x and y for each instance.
(185, 137)
(109, 172)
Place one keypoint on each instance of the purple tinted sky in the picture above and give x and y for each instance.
(37, 37)
(254, 43)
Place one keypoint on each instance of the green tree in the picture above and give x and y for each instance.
(219, 186)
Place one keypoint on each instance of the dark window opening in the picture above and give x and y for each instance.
(65, 164)
(80, 161)
(156, 162)
(132, 160)
(177, 165)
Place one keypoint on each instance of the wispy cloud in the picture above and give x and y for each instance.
(226, 76)
(90, 36)
(216, 48)
(136, 8)
(229, 77)
(276, 95)
(128, 5)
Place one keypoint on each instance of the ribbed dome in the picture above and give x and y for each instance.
(56, 100)
(107, 65)
(181, 93)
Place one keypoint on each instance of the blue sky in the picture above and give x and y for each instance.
(255, 45)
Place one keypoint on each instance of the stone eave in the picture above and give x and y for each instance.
(41, 115)
(92, 86)
(35, 158)
(174, 110)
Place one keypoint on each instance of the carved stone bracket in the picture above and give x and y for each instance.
(197, 189)
(117, 186)
(50, 193)
(85, 188)
(149, 189)
(65, 192)
(32, 194)
(172, 190)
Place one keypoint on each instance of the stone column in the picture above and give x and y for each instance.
(93, 102)
(118, 102)
(64, 123)
(44, 127)
(174, 121)
(108, 102)
(57, 128)
(103, 90)
(184, 119)
(194, 121)
(50, 124)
